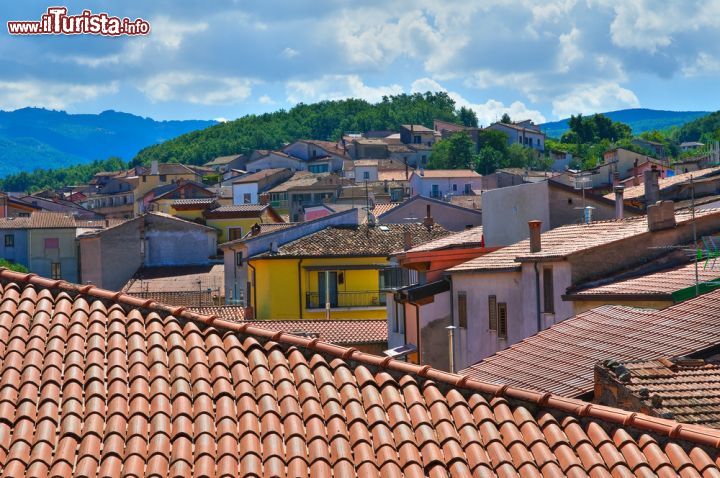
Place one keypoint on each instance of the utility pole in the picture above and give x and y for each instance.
(694, 229)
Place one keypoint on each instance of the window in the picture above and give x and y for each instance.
(366, 174)
(144, 179)
(468, 188)
(548, 293)
(238, 259)
(163, 178)
(502, 320)
(454, 187)
(417, 139)
(52, 243)
(401, 319)
(55, 272)
(234, 233)
(24, 214)
(9, 240)
(247, 198)
(462, 310)
(492, 312)
(423, 159)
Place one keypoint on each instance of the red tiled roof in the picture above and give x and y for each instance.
(50, 220)
(447, 173)
(97, 383)
(569, 239)
(363, 240)
(382, 208)
(561, 359)
(661, 283)
(635, 192)
(686, 390)
(468, 238)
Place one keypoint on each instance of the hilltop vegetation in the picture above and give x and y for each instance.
(639, 120)
(57, 178)
(326, 120)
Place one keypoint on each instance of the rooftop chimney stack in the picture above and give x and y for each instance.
(428, 221)
(652, 186)
(154, 167)
(535, 242)
(661, 215)
(407, 240)
(619, 205)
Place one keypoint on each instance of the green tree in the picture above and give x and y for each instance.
(455, 152)
(497, 140)
(505, 118)
(467, 117)
(488, 160)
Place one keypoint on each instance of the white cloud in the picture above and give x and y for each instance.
(335, 87)
(570, 51)
(266, 100)
(704, 63)
(488, 112)
(593, 99)
(199, 89)
(220, 119)
(171, 33)
(290, 53)
(18, 94)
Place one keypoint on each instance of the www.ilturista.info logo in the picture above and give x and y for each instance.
(57, 22)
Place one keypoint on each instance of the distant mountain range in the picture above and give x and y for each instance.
(32, 138)
(639, 119)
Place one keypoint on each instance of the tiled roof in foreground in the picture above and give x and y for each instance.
(561, 359)
(97, 383)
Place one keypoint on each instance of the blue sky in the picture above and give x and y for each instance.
(224, 59)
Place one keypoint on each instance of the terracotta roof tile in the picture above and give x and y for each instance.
(635, 192)
(687, 390)
(472, 237)
(363, 240)
(152, 390)
(565, 240)
(382, 208)
(447, 173)
(661, 283)
(561, 359)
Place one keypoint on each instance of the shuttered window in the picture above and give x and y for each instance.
(462, 310)
(492, 312)
(548, 291)
(502, 320)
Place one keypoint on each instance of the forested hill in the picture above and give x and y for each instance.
(326, 120)
(639, 119)
(36, 138)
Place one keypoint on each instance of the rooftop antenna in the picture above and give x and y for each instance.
(581, 181)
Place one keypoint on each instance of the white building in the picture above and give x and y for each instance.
(442, 183)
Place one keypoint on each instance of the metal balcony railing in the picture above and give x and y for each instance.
(374, 298)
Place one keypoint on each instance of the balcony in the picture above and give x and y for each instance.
(346, 300)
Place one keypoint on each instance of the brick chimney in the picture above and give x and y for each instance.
(661, 215)
(652, 186)
(616, 178)
(428, 221)
(619, 205)
(535, 242)
(407, 240)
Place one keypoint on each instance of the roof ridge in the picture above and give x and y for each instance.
(698, 434)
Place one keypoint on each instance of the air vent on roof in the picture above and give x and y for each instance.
(384, 228)
(401, 351)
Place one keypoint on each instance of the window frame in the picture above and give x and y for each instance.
(9, 240)
(548, 291)
(462, 309)
(55, 270)
(502, 320)
(492, 312)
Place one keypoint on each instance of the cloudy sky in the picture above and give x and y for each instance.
(541, 59)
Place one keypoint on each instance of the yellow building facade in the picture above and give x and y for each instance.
(295, 288)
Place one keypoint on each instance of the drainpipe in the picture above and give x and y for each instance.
(300, 301)
(537, 296)
(417, 318)
(254, 290)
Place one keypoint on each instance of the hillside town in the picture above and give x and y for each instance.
(346, 308)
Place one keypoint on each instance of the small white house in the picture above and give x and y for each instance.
(442, 183)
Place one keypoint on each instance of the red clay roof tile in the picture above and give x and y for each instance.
(237, 399)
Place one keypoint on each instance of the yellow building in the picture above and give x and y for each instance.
(346, 267)
(159, 175)
(233, 222)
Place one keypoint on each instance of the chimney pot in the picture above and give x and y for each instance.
(535, 241)
(428, 221)
(154, 168)
(652, 187)
(619, 204)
